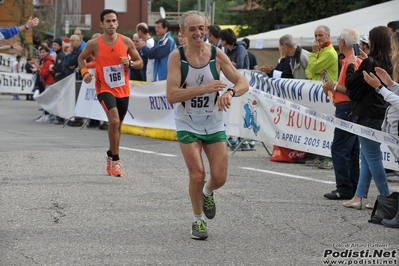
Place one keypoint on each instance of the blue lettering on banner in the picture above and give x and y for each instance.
(160, 103)
(386, 156)
(276, 87)
(295, 106)
(90, 94)
(327, 144)
(312, 142)
(252, 80)
(291, 138)
(281, 101)
(327, 118)
(268, 96)
(262, 84)
(297, 92)
(367, 132)
(391, 140)
(310, 112)
(268, 85)
(256, 81)
(130, 113)
(315, 92)
(346, 124)
(283, 88)
(255, 92)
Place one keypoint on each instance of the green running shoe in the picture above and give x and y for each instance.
(208, 206)
(199, 230)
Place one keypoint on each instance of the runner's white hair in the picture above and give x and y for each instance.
(190, 13)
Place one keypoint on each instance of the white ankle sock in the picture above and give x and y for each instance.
(205, 191)
(198, 217)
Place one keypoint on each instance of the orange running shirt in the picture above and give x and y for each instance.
(111, 75)
(340, 97)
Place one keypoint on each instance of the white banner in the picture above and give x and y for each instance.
(20, 83)
(6, 60)
(304, 123)
(59, 98)
(87, 105)
(148, 106)
(284, 112)
(259, 118)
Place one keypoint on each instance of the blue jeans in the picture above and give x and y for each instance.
(345, 154)
(371, 167)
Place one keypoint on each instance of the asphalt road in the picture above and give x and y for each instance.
(58, 207)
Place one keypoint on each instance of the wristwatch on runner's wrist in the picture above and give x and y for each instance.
(233, 90)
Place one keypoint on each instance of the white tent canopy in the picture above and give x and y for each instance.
(363, 20)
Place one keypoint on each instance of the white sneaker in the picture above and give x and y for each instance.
(49, 119)
(40, 119)
(252, 145)
(44, 119)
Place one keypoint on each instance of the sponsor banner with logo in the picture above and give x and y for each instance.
(19, 83)
(289, 113)
(302, 123)
(158, 112)
(87, 105)
(148, 106)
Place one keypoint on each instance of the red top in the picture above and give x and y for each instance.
(111, 75)
(45, 73)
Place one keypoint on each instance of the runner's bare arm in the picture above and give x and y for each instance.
(137, 62)
(174, 93)
(87, 51)
(241, 86)
(91, 47)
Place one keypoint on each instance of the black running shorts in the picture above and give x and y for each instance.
(109, 101)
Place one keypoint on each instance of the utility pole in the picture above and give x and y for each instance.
(213, 12)
(208, 7)
(199, 5)
(58, 18)
(178, 8)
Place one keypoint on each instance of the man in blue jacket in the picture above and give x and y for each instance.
(160, 52)
(70, 64)
(71, 59)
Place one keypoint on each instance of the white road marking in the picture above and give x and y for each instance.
(288, 175)
(149, 152)
(246, 168)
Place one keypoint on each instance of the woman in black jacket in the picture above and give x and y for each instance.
(368, 110)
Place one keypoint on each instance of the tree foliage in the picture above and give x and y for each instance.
(22, 10)
(171, 5)
(221, 16)
(273, 13)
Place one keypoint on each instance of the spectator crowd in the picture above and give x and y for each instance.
(342, 74)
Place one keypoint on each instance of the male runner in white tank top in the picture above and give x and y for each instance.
(193, 85)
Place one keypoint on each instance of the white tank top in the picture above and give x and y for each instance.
(14, 67)
(199, 115)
